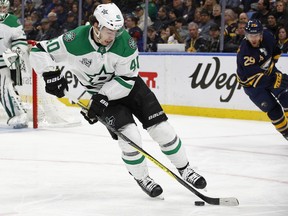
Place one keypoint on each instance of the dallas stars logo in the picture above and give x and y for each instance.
(104, 11)
(102, 76)
(69, 36)
(110, 121)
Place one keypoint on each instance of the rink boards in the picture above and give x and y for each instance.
(193, 84)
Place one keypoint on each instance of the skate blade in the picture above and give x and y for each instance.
(160, 197)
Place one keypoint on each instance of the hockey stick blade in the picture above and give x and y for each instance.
(230, 201)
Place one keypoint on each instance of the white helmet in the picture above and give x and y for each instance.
(4, 7)
(110, 16)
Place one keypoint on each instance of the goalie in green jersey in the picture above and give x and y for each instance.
(13, 51)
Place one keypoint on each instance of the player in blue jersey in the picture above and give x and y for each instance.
(104, 58)
(262, 81)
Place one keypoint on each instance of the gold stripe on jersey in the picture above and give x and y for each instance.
(286, 112)
(251, 81)
(278, 80)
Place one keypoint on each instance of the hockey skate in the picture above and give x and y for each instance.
(18, 122)
(149, 186)
(189, 175)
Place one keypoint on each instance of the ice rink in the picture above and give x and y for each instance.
(78, 171)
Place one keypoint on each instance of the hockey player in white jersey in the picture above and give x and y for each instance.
(105, 59)
(13, 44)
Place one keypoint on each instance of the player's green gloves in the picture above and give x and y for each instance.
(55, 83)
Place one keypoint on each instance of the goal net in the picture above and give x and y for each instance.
(43, 110)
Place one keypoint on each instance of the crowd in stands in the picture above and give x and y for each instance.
(194, 23)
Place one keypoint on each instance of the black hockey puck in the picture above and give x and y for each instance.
(199, 203)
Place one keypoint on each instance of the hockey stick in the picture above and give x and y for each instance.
(229, 201)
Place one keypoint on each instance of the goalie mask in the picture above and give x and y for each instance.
(110, 17)
(4, 7)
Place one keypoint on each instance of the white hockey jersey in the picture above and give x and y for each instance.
(107, 70)
(11, 36)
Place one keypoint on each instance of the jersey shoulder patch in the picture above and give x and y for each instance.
(124, 45)
(11, 21)
(77, 41)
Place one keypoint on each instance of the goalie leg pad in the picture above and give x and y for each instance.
(135, 162)
(169, 142)
(10, 100)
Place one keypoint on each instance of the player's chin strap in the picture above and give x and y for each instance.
(229, 201)
(97, 34)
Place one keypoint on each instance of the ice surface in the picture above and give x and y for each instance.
(78, 171)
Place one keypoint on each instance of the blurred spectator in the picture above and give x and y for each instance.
(230, 24)
(247, 5)
(205, 24)
(283, 39)
(37, 3)
(140, 14)
(163, 35)
(29, 29)
(152, 10)
(173, 36)
(52, 17)
(177, 7)
(70, 23)
(87, 9)
(243, 17)
(162, 20)
(232, 4)
(214, 40)
(273, 4)
(216, 14)
(281, 13)
(194, 42)
(16, 8)
(179, 25)
(69, 4)
(49, 6)
(36, 19)
(74, 10)
(272, 23)
(197, 16)
(208, 5)
(153, 38)
(61, 14)
(135, 32)
(233, 43)
(172, 17)
(45, 31)
(29, 8)
(263, 7)
(189, 10)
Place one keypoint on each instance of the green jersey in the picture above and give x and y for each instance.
(11, 36)
(108, 70)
